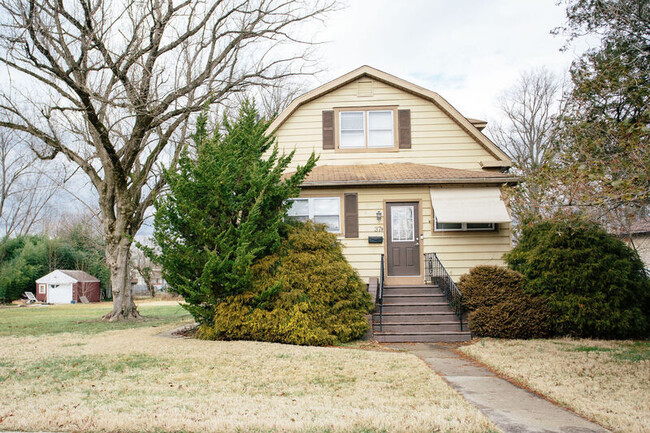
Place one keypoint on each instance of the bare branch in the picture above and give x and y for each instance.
(115, 85)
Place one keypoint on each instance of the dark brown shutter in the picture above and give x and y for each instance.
(351, 209)
(328, 129)
(404, 128)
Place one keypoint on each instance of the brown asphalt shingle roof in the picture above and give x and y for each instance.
(399, 174)
(640, 226)
(81, 276)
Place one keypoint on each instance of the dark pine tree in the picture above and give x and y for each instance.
(224, 209)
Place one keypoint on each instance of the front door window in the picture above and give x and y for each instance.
(402, 224)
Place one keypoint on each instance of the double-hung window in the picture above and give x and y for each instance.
(359, 129)
(321, 210)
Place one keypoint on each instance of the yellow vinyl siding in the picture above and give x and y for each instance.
(458, 251)
(436, 138)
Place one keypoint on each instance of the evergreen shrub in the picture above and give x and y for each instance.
(306, 293)
(223, 210)
(499, 307)
(595, 284)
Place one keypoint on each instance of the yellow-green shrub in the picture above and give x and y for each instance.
(306, 293)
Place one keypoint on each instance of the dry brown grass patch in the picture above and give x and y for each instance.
(606, 381)
(133, 380)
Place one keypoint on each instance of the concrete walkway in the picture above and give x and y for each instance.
(511, 408)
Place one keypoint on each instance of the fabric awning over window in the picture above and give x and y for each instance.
(469, 205)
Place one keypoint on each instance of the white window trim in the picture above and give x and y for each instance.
(463, 228)
(392, 129)
(311, 215)
(41, 289)
(366, 129)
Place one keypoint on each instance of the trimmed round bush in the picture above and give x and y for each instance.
(595, 284)
(523, 318)
(499, 307)
(486, 286)
(306, 293)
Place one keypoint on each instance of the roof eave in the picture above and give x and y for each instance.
(496, 164)
(473, 181)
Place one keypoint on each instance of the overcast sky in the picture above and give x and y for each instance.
(467, 51)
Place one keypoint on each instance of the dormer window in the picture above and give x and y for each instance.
(366, 128)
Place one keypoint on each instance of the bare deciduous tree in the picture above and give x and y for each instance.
(24, 192)
(145, 268)
(527, 134)
(119, 82)
(274, 99)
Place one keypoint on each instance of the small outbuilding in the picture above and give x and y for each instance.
(65, 287)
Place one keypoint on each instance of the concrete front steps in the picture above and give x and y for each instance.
(417, 314)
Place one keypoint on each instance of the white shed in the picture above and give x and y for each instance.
(63, 287)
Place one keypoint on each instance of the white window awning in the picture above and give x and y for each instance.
(469, 205)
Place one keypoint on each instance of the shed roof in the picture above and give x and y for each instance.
(61, 276)
(399, 174)
(80, 276)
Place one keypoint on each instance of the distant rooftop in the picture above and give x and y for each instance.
(640, 226)
(80, 276)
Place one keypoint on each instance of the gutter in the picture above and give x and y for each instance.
(438, 181)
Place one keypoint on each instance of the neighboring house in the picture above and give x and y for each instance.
(640, 237)
(64, 287)
(401, 173)
(139, 285)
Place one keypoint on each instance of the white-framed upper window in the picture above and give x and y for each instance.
(352, 126)
(463, 227)
(321, 210)
(366, 129)
(41, 289)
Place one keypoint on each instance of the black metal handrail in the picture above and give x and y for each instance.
(380, 294)
(435, 273)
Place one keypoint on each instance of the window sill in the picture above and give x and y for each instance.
(367, 150)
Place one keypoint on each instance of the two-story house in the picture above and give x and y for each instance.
(407, 183)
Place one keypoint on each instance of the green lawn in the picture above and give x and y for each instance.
(79, 318)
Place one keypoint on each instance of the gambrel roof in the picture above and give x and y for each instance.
(471, 126)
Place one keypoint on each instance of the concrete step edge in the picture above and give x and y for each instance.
(451, 322)
(420, 303)
(423, 333)
(416, 313)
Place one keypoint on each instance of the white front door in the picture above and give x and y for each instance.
(59, 293)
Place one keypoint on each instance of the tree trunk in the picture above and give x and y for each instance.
(150, 287)
(118, 257)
